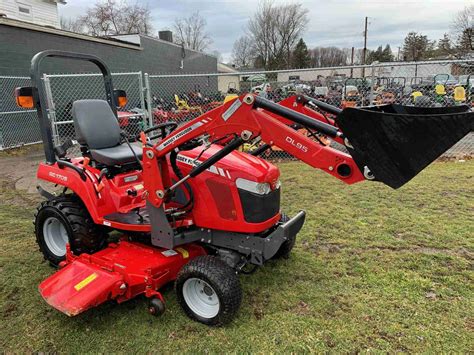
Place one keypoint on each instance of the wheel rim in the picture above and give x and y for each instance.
(201, 298)
(55, 236)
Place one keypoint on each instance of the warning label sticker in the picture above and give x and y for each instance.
(169, 252)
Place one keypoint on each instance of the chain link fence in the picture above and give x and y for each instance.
(154, 99)
(18, 127)
(181, 97)
(63, 90)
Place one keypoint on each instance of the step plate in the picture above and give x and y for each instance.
(78, 287)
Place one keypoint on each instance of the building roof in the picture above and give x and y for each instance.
(55, 31)
(224, 68)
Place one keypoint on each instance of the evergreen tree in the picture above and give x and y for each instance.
(380, 55)
(301, 57)
(444, 45)
(387, 55)
(466, 41)
(417, 47)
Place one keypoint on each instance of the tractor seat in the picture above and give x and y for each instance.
(97, 128)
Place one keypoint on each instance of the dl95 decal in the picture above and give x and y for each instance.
(297, 145)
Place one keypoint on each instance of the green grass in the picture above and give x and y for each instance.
(373, 269)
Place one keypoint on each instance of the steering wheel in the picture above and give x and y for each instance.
(171, 126)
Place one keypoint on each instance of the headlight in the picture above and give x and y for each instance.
(260, 188)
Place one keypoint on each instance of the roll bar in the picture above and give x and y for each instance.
(39, 95)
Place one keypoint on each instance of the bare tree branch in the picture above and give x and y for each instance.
(192, 32)
(69, 24)
(463, 29)
(112, 17)
(275, 31)
(243, 52)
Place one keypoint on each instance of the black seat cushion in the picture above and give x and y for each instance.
(95, 124)
(97, 128)
(118, 155)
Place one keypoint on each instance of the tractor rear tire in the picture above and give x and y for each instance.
(63, 220)
(209, 290)
(287, 246)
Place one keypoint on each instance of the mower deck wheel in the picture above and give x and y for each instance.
(156, 307)
(287, 246)
(64, 220)
(209, 290)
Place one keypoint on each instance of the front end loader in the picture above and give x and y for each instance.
(192, 209)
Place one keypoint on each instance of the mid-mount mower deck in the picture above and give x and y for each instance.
(189, 207)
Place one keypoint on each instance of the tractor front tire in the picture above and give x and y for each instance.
(65, 220)
(287, 246)
(209, 290)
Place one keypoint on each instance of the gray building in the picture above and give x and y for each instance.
(19, 41)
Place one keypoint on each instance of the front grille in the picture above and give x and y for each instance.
(259, 208)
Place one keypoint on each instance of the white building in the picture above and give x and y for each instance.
(41, 12)
(229, 78)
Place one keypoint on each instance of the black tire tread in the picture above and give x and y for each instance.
(87, 236)
(223, 280)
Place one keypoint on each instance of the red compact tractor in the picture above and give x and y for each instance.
(191, 209)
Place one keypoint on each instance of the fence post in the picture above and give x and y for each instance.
(148, 100)
(372, 76)
(51, 108)
(142, 96)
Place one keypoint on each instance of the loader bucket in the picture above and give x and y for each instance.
(393, 143)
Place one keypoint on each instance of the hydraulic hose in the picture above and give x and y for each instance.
(179, 174)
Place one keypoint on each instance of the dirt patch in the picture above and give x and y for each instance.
(18, 176)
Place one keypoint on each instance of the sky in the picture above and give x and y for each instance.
(337, 23)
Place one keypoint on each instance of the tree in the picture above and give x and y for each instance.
(445, 46)
(111, 17)
(301, 57)
(243, 52)
(275, 30)
(387, 55)
(417, 47)
(328, 57)
(69, 24)
(463, 28)
(380, 55)
(192, 32)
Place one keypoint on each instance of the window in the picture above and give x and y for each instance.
(24, 10)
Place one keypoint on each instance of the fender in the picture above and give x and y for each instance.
(95, 202)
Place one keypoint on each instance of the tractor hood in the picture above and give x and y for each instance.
(393, 143)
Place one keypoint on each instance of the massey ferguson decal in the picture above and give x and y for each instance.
(179, 135)
(213, 169)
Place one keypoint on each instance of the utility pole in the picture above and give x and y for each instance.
(364, 51)
(352, 62)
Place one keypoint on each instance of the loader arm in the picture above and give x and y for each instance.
(308, 106)
(245, 119)
(395, 142)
